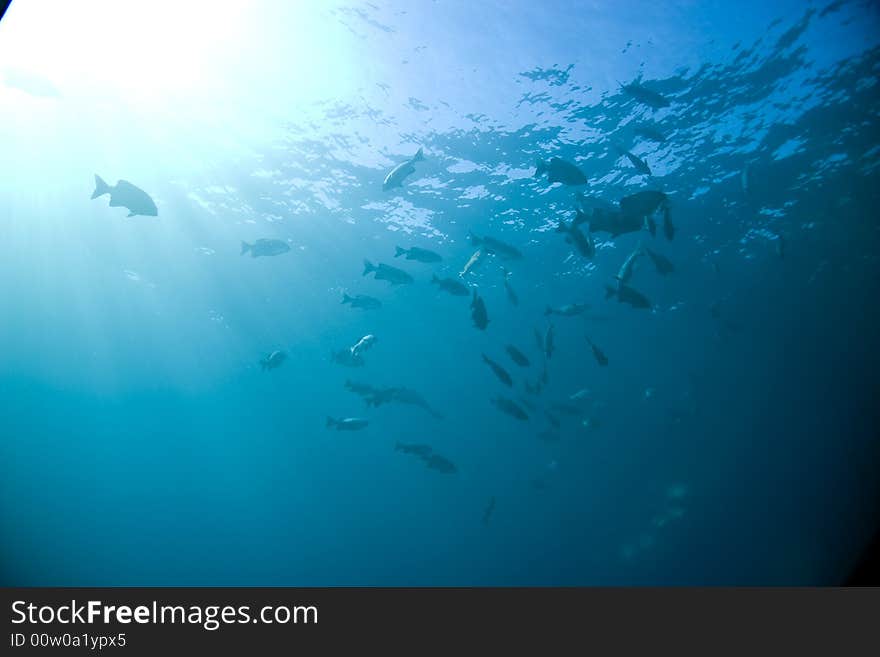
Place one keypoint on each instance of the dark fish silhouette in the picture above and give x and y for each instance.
(598, 354)
(581, 242)
(450, 285)
(649, 132)
(517, 356)
(510, 407)
(560, 171)
(626, 294)
(273, 360)
(497, 247)
(388, 273)
(265, 247)
(126, 195)
(397, 175)
(417, 254)
(614, 222)
(413, 448)
(499, 371)
(361, 301)
(511, 294)
(478, 312)
(640, 165)
(645, 95)
(661, 263)
(412, 398)
(440, 464)
(642, 204)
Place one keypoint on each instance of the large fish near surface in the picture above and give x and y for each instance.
(361, 301)
(499, 371)
(614, 222)
(649, 132)
(573, 235)
(642, 204)
(388, 273)
(560, 171)
(568, 310)
(273, 360)
(397, 175)
(626, 294)
(417, 254)
(265, 247)
(347, 424)
(640, 165)
(497, 247)
(645, 95)
(517, 356)
(510, 407)
(126, 195)
(472, 263)
(478, 312)
(661, 263)
(450, 285)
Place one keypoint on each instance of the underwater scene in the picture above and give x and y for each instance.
(438, 293)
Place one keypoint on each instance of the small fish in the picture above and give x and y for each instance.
(472, 263)
(265, 247)
(598, 354)
(388, 273)
(661, 263)
(511, 294)
(581, 395)
(417, 254)
(478, 312)
(127, 196)
(560, 171)
(640, 165)
(780, 246)
(568, 310)
(363, 345)
(496, 247)
(573, 235)
(517, 356)
(361, 301)
(510, 407)
(413, 448)
(490, 509)
(347, 424)
(440, 464)
(626, 294)
(397, 175)
(273, 360)
(549, 345)
(644, 95)
(624, 274)
(552, 419)
(450, 285)
(499, 371)
(668, 227)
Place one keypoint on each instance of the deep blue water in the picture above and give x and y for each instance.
(731, 439)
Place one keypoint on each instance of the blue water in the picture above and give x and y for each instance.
(732, 439)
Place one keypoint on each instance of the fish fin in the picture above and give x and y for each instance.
(245, 247)
(418, 157)
(609, 291)
(368, 267)
(541, 168)
(398, 251)
(346, 298)
(130, 214)
(101, 187)
(562, 228)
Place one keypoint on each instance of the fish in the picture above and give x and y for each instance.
(412, 398)
(624, 274)
(397, 175)
(668, 227)
(361, 301)
(440, 464)
(539, 340)
(499, 371)
(528, 404)
(580, 395)
(568, 310)
(511, 293)
(560, 171)
(273, 360)
(626, 294)
(583, 243)
(417, 254)
(127, 196)
(517, 356)
(642, 204)
(347, 424)
(590, 203)
(614, 222)
(363, 344)
(451, 286)
(549, 345)
(265, 247)
(511, 408)
(472, 263)
(640, 165)
(497, 247)
(413, 448)
(645, 95)
(347, 358)
(661, 263)
(388, 273)
(649, 132)
(371, 395)
(598, 354)
(478, 312)
(490, 509)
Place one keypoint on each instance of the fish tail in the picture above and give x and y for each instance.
(368, 267)
(245, 247)
(101, 187)
(331, 422)
(562, 228)
(609, 291)
(541, 168)
(419, 156)
(346, 298)
(398, 251)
